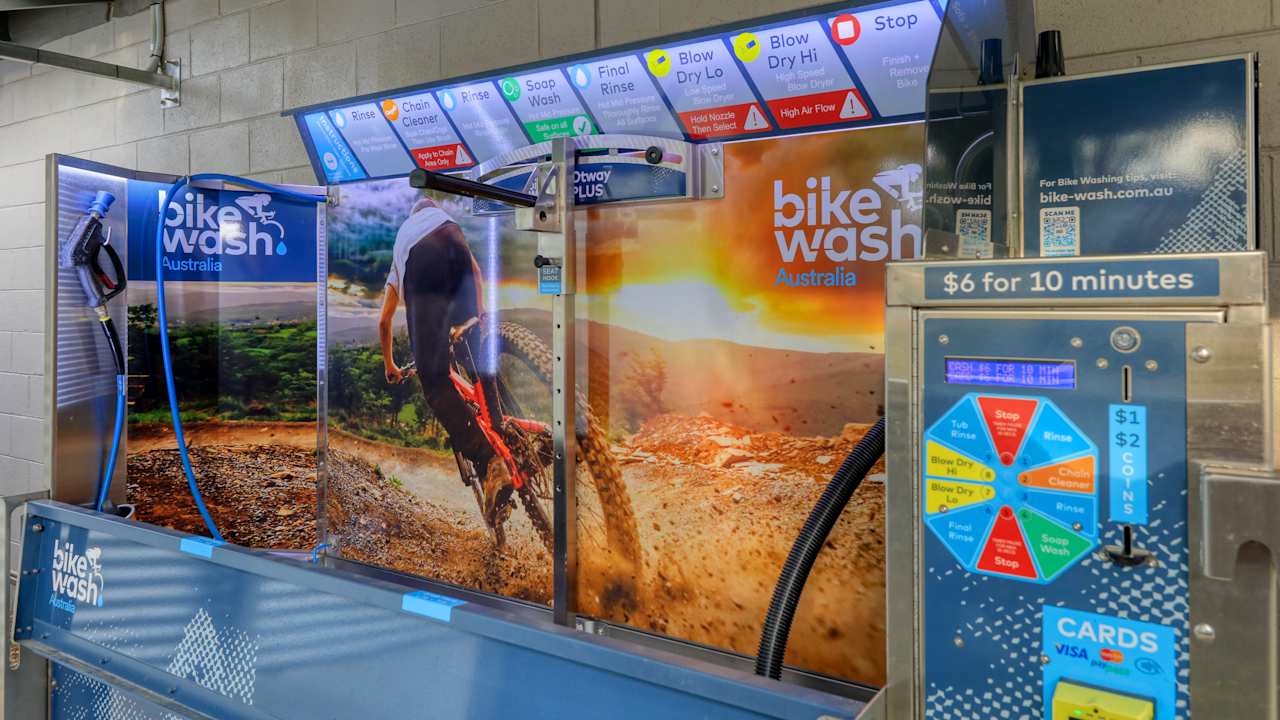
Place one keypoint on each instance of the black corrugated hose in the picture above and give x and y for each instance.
(786, 594)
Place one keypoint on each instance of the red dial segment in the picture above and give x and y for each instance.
(1006, 550)
(1008, 419)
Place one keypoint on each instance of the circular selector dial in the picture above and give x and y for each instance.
(1010, 486)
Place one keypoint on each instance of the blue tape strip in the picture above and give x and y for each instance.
(199, 546)
(436, 607)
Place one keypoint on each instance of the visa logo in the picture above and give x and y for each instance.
(1071, 651)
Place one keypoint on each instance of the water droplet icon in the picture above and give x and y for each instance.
(580, 77)
(281, 248)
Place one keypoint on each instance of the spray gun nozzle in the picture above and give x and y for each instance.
(101, 203)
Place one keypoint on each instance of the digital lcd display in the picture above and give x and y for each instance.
(1047, 374)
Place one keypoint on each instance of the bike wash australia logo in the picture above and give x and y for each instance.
(825, 224)
(201, 233)
(77, 577)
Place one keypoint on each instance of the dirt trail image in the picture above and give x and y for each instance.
(717, 507)
(258, 480)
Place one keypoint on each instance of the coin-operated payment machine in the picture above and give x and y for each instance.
(1081, 502)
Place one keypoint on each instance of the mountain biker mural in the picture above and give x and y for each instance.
(440, 374)
(729, 354)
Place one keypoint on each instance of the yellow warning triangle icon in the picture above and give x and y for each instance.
(755, 120)
(853, 107)
(460, 157)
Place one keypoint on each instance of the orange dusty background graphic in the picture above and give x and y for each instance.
(732, 399)
(729, 244)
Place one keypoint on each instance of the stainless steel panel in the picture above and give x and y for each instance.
(903, 686)
(25, 676)
(1229, 407)
(1230, 416)
(81, 373)
(1235, 541)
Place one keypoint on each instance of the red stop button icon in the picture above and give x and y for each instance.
(846, 29)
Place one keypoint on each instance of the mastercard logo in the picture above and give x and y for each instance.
(391, 110)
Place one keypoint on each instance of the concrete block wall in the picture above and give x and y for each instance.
(244, 61)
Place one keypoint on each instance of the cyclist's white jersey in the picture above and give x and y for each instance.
(418, 225)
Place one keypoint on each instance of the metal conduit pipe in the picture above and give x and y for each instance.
(157, 37)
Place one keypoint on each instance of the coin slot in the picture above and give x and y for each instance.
(1126, 384)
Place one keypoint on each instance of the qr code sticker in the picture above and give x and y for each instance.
(973, 227)
(1059, 231)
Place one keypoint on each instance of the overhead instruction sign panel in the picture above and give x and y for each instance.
(372, 140)
(707, 89)
(890, 48)
(424, 129)
(622, 96)
(483, 118)
(798, 72)
(840, 68)
(546, 105)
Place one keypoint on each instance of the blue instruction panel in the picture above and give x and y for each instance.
(846, 65)
(1102, 179)
(1033, 474)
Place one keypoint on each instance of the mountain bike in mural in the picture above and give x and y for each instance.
(525, 443)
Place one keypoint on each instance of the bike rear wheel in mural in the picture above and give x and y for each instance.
(604, 477)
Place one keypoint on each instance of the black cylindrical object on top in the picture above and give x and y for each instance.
(1049, 60)
(991, 70)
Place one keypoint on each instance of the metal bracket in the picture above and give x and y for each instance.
(709, 170)
(172, 97)
(545, 215)
(701, 165)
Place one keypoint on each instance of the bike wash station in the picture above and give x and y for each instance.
(1077, 416)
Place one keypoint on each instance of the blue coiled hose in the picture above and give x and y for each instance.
(162, 318)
